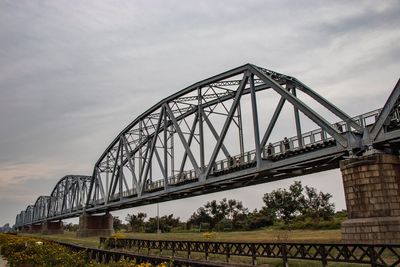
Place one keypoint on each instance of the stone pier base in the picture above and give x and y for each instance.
(35, 229)
(95, 225)
(25, 229)
(372, 192)
(52, 228)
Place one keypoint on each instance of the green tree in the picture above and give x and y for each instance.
(285, 204)
(317, 205)
(117, 223)
(167, 222)
(136, 222)
(258, 219)
(231, 212)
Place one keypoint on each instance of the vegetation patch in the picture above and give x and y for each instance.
(31, 252)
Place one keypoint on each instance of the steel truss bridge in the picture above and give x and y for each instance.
(218, 134)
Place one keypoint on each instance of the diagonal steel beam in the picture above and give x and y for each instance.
(315, 117)
(153, 144)
(226, 124)
(182, 137)
(387, 108)
(132, 168)
(192, 129)
(331, 107)
(273, 121)
(214, 132)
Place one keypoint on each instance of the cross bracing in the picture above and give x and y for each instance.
(218, 134)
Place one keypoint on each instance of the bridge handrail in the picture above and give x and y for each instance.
(376, 255)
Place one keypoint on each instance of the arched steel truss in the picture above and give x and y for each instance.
(196, 142)
(68, 196)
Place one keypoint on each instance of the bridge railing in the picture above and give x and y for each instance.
(376, 255)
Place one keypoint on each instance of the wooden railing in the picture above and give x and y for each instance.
(375, 255)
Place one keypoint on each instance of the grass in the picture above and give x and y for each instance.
(267, 235)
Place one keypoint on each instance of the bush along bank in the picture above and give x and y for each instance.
(31, 252)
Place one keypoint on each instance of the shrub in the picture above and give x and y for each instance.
(35, 252)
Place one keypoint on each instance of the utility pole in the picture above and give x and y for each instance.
(158, 219)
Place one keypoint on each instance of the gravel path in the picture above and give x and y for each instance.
(3, 262)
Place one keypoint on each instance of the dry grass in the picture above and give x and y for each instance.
(268, 235)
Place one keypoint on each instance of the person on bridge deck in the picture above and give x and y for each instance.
(230, 161)
(237, 161)
(269, 149)
(339, 127)
(286, 144)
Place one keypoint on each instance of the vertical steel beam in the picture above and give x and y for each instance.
(121, 166)
(107, 176)
(140, 150)
(255, 121)
(201, 132)
(172, 150)
(240, 127)
(297, 118)
(165, 142)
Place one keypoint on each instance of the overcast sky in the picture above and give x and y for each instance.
(73, 74)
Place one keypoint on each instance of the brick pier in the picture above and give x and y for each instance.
(95, 225)
(371, 185)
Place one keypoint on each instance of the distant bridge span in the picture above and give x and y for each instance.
(218, 134)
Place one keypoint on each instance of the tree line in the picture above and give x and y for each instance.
(285, 207)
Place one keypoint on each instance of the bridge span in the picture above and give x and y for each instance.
(218, 134)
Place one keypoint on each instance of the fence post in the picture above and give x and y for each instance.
(253, 254)
(173, 249)
(323, 255)
(284, 255)
(206, 250)
(188, 244)
(372, 256)
(227, 251)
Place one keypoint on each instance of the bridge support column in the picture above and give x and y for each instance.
(52, 228)
(25, 229)
(95, 225)
(35, 228)
(372, 191)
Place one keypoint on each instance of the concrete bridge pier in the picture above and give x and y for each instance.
(95, 225)
(372, 192)
(52, 228)
(25, 229)
(35, 229)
